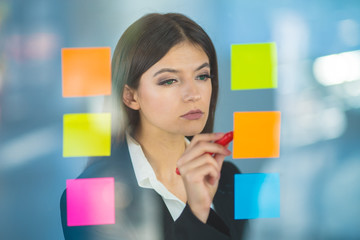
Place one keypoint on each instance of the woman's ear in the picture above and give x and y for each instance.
(130, 98)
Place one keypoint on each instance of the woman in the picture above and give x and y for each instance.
(165, 80)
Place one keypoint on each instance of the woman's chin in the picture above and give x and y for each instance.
(193, 132)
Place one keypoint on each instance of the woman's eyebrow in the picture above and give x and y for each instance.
(202, 66)
(176, 71)
(165, 70)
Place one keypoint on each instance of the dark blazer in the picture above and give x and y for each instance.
(130, 209)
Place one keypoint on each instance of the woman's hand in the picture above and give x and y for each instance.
(201, 172)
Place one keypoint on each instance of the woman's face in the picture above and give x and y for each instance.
(174, 94)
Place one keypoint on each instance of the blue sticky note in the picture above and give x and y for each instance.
(257, 195)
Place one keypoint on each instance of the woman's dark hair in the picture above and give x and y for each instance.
(143, 44)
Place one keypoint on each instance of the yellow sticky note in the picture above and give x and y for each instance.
(253, 66)
(256, 134)
(87, 134)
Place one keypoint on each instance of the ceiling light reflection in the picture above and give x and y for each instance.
(337, 68)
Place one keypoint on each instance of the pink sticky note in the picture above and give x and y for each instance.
(90, 201)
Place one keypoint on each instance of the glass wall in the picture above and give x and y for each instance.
(318, 95)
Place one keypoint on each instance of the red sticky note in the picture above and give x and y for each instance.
(86, 71)
(256, 134)
(90, 201)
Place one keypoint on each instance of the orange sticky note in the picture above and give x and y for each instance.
(256, 134)
(86, 71)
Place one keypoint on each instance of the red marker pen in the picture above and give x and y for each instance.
(226, 139)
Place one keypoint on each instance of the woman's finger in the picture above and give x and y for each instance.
(207, 137)
(202, 160)
(199, 146)
(204, 172)
(219, 158)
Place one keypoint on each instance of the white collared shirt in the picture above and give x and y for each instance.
(146, 178)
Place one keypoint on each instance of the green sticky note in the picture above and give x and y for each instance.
(87, 134)
(253, 66)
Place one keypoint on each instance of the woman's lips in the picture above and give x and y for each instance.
(193, 115)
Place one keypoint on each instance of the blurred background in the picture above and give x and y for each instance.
(318, 44)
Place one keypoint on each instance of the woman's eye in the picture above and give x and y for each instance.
(167, 82)
(203, 77)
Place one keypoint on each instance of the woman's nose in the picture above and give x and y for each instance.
(191, 92)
